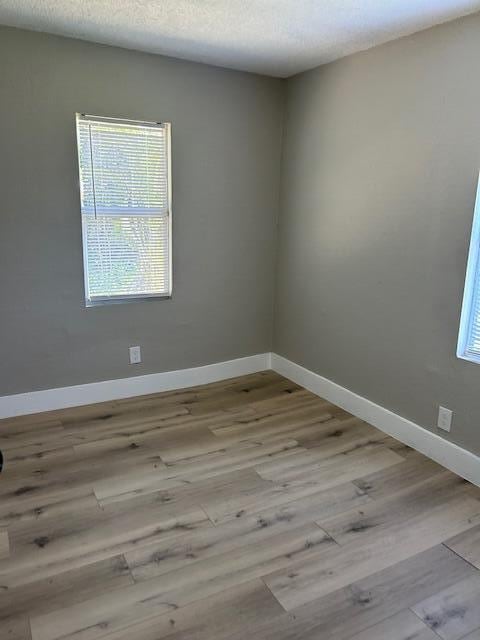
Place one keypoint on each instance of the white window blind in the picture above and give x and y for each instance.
(125, 204)
(469, 335)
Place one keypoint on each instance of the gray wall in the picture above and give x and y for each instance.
(226, 138)
(381, 160)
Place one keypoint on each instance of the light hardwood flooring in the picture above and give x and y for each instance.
(246, 509)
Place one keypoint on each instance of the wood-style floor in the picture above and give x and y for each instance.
(248, 509)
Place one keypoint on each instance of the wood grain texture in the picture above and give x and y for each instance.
(355, 559)
(215, 617)
(362, 604)
(402, 626)
(243, 508)
(453, 612)
(467, 545)
(4, 544)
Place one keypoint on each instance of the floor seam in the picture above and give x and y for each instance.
(424, 623)
(262, 580)
(459, 555)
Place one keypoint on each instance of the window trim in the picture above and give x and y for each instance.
(122, 299)
(469, 289)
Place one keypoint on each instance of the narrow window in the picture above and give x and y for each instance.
(125, 195)
(469, 336)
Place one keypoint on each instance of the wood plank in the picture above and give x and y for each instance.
(331, 470)
(122, 424)
(64, 589)
(453, 612)
(355, 560)
(192, 471)
(402, 449)
(88, 538)
(401, 626)
(189, 548)
(331, 473)
(35, 508)
(183, 442)
(269, 423)
(52, 482)
(211, 618)
(15, 628)
(362, 604)
(475, 635)
(192, 493)
(244, 393)
(385, 483)
(4, 544)
(467, 545)
(146, 599)
(294, 397)
(266, 462)
(48, 435)
(21, 460)
(341, 434)
(235, 507)
(399, 511)
(230, 458)
(18, 425)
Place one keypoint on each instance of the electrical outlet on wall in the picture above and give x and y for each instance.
(444, 419)
(135, 355)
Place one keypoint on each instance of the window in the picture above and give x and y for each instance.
(125, 191)
(469, 336)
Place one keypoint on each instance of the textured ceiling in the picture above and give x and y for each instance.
(275, 37)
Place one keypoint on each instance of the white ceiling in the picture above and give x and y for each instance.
(275, 37)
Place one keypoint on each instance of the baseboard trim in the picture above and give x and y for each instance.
(78, 395)
(460, 461)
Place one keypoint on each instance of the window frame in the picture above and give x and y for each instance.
(470, 286)
(122, 299)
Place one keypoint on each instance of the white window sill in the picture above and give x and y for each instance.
(469, 357)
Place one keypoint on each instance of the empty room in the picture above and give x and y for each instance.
(240, 320)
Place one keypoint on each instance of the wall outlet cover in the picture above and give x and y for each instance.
(444, 418)
(135, 355)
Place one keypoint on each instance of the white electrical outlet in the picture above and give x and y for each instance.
(444, 419)
(135, 355)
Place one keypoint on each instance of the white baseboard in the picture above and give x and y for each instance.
(460, 461)
(61, 398)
